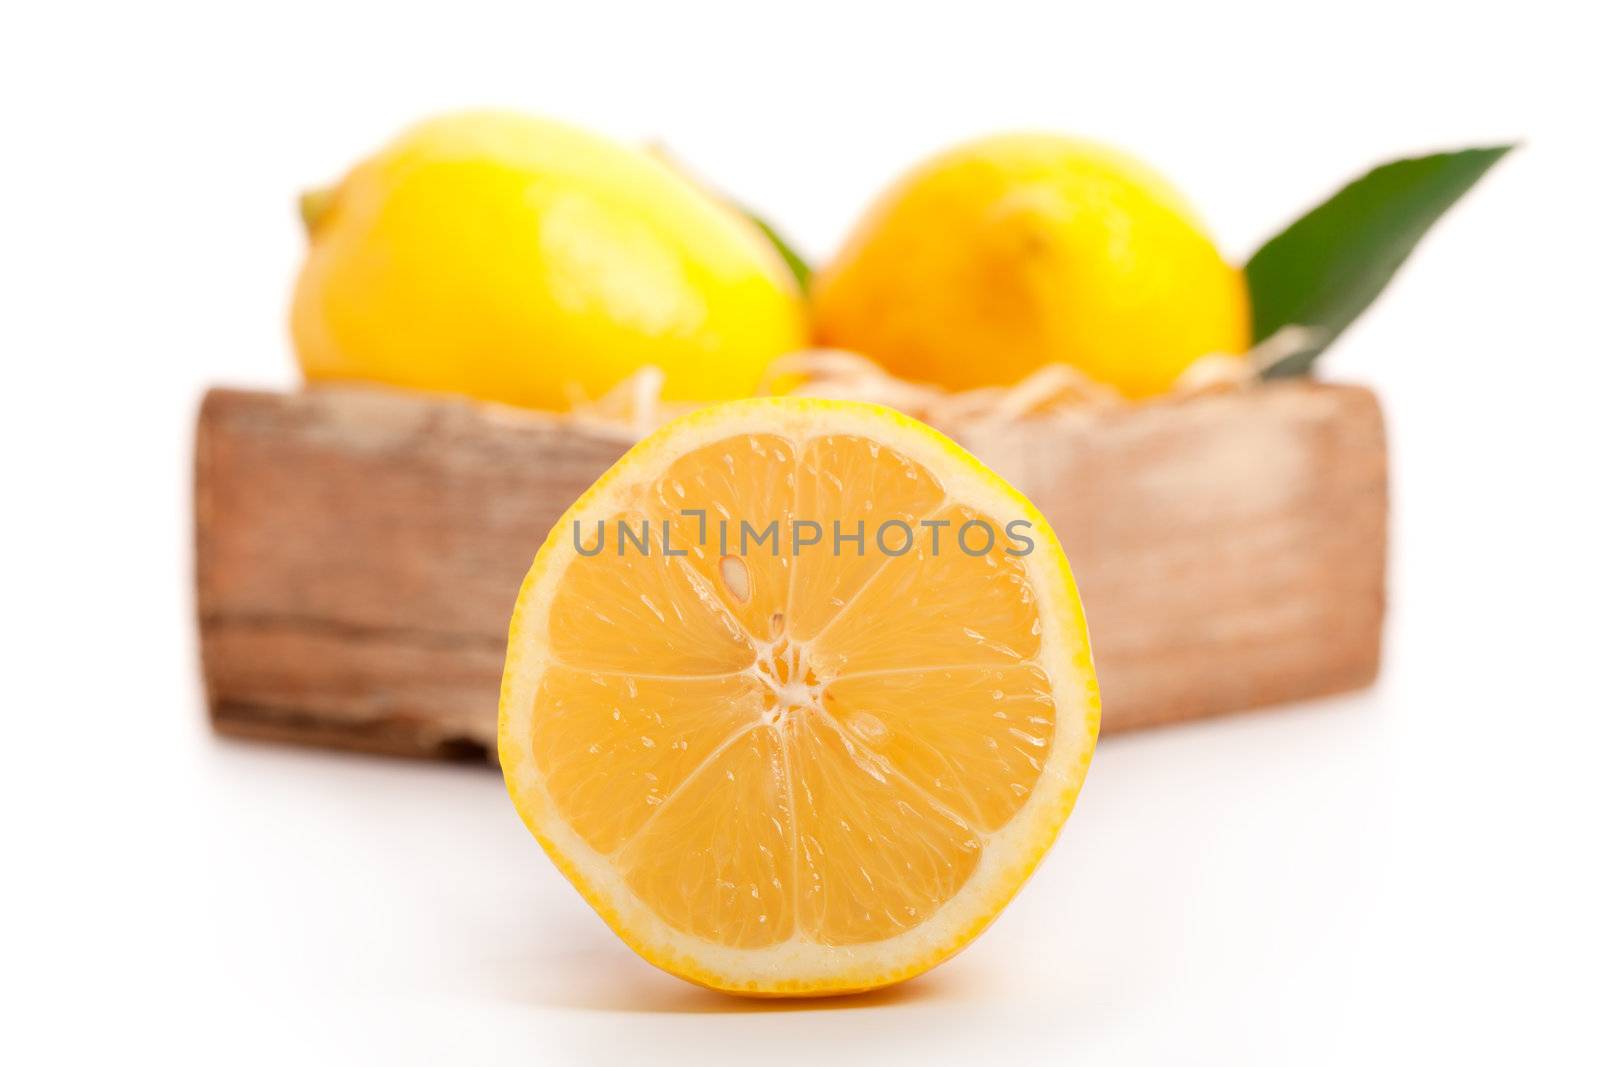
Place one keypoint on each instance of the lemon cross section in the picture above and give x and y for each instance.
(819, 765)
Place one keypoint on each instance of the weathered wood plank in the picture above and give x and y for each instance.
(358, 551)
(1230, 549)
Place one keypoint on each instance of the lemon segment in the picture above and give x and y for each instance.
(810, 770)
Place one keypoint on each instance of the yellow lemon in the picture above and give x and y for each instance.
(797, 695)
(1010, 253)
(520, 260)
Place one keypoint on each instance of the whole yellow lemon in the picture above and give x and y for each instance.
(1009, 253)
(521, 260)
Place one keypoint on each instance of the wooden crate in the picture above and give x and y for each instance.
(358, 551)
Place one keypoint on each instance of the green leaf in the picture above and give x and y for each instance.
(1325, 269)
(796, 262)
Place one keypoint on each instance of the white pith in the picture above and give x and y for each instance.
(1008, 853)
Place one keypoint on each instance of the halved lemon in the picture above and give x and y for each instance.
(797, 696)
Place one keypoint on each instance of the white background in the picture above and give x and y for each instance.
(1405, 875)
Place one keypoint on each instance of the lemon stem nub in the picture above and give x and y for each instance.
(314, 204)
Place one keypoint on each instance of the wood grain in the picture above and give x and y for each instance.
(358, 551)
